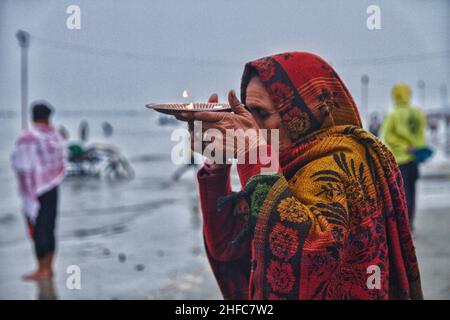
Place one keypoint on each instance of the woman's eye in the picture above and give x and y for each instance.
(261, 113)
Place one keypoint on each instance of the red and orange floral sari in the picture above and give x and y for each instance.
(335, 214)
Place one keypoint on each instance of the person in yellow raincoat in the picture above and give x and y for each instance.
(403, 130)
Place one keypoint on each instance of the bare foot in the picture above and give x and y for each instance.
(38, 275)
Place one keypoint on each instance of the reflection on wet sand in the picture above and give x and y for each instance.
(46, 290)
(194, 209)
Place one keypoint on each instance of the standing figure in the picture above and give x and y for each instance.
(404, 133)
(38, 159)
(375, 124)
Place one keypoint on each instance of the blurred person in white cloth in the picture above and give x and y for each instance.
(38, 160)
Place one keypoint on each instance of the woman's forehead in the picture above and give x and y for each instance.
(256, 92)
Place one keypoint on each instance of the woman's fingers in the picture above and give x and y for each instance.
(209, 116)
(235, 103)
(214, 98)
(185, 116)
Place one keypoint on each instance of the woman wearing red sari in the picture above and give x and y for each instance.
(331, 220)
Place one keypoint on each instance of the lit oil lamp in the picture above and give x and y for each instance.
(175, 108)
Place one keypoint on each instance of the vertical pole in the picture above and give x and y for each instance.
(444, 96)
(447, 133)
(446, 112)
(421, 86)
(365, 98)
(24, 40)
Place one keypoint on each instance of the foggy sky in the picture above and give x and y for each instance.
(129, 53)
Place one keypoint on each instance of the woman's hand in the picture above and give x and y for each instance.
(215, 126)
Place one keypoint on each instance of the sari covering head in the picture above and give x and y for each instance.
(334, 225)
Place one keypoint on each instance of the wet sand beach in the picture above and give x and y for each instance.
(142, 239)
